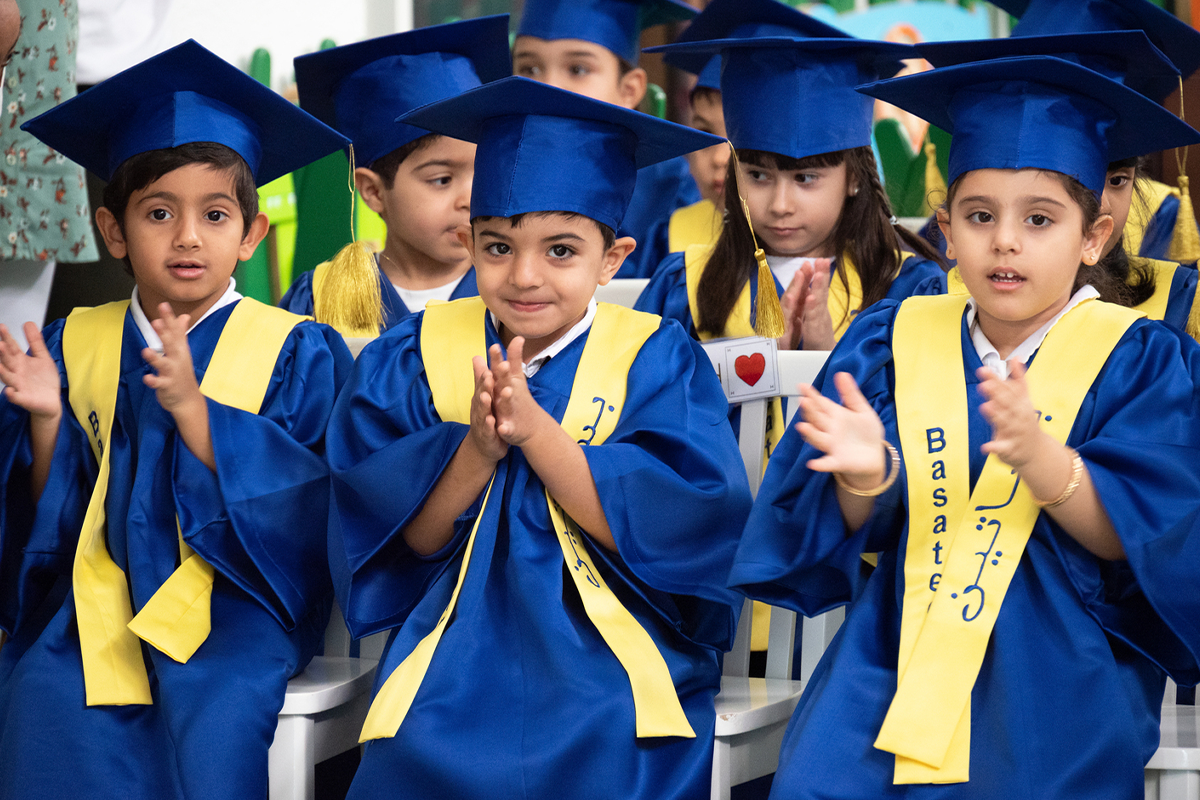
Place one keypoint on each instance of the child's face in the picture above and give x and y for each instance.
(428, 202)
(1018, 237)
(1116, 200)
(538, 277)
(795, 212)
(708, 165)
(579, 66)
(183, 236)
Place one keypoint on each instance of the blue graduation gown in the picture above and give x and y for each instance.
(1067, 702)
(523, 698)
(667, 295)
(260, 520)
(1182, 295)
(660, 189)
(299, 297)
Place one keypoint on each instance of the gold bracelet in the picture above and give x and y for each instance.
(888, 480)
(1072, 485)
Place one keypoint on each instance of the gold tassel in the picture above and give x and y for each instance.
(768, 317)
(1193, 323)
(934, 182)
(349, 300)
(1185, 242)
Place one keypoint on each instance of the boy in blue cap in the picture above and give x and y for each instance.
(163, 574)
(700, 223)
(1023, 461)
(591, 47)
(418, 182)
(1156, 228)
(572, 492)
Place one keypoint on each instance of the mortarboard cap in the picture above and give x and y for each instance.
(361, 88)
(541, 148)
(1036, 112)
(796, 96)
(1127, 57)
(614, 24)
(742, 19)
(185, 94)
(1177, 39)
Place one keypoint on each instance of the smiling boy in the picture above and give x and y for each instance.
(163, 577)
(418, 182)
(590, 47)
(572, 492)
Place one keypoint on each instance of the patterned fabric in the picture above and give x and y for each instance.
(44, 212)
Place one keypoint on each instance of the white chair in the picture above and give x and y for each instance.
(1173, 772)
(752, 713)
(621, 291)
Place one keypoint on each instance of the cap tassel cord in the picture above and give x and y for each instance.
(768, 319)
(935, 184)
(350, 300)
(1185, 242)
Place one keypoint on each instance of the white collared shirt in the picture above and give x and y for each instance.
(417, 299)
(537, 362)
(151, 336)
(988, 353)
(786, 267)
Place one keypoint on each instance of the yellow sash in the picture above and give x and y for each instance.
(699, 223)
(451, 334)
(176, 619)
(1148, 198)
(963, 551)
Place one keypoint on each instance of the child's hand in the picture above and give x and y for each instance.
(793, 304)
(850, 435)
(518, 416)
(1016, 435)
(817, 332)
(483, 419)
(175, 381)
(33, 382)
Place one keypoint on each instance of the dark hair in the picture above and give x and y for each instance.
(1135, 276)
(606, 233)
(864, 230)
(707, 92)
(1107, 282)
(139, 171)
(387, 166)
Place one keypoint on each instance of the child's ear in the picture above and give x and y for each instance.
(371, 187)
(631, 88)
(1093, 243)
(466, 237)
(114, 239)
(615, 256)
(256, 233)
(943, 223)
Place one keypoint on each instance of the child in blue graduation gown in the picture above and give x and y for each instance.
(591, 47)
(162, 476)
(449, 475)
(418, 182)
(1035, 567)
(809, 181)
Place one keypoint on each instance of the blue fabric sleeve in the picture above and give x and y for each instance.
(299, 296)
(666, 294)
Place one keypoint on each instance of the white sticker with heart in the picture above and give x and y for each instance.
(748, 367)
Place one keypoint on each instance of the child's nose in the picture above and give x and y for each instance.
(187, 234)
(524, 273)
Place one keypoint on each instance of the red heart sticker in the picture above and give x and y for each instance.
(750, 368)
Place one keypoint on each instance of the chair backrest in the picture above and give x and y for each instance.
(621, 291)
(795, 367)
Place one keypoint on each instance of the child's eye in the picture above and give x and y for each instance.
(497, 249)
(1117, 181)
(444, 180)
(529, 70)
(980, 217)
(1038, 220)
(756, 175)
(579, 70)
(160, 214)
(216, 216)
(806, 177)
(561, 251)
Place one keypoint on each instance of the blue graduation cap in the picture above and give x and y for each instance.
(541, 148)
(796, 96)
(1036, 112)
(185, 94)
(614, 24)
(742, 19)
(1127, 57)
(1177, 39)
(361, 88)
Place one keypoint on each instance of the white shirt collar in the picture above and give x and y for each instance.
(151, 336)
(786, 267)
(988, 353)
(559, 344)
